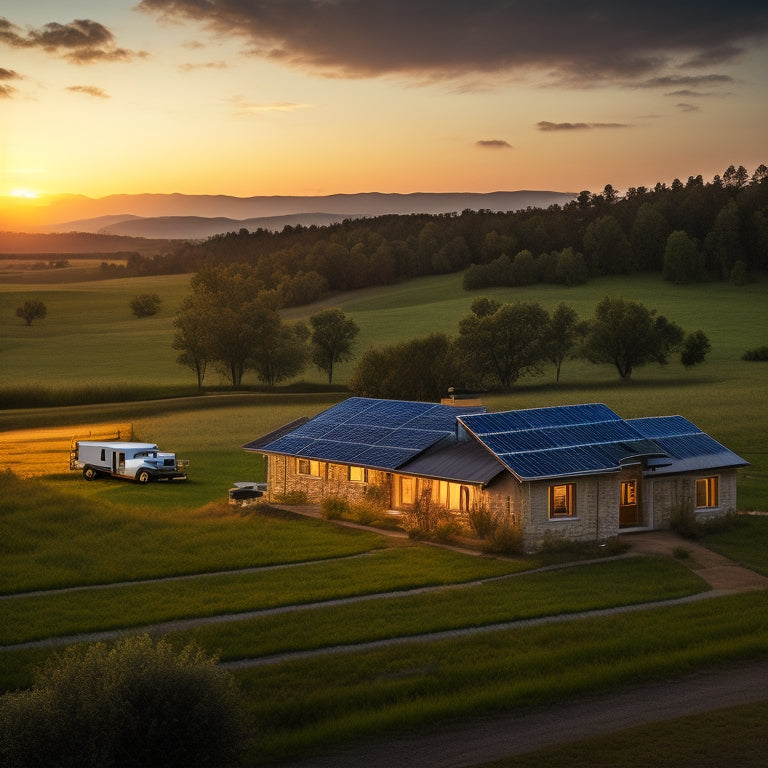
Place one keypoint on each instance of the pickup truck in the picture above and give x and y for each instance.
(142, 462)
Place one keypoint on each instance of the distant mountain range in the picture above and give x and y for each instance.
(200, 216)
(151, 223)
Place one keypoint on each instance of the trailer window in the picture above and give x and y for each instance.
(103, 454)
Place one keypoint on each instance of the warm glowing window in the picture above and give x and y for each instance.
(562, 500)
(407, 490)
(706, 492)
(629, 493)
(308, 467)
(358, 474)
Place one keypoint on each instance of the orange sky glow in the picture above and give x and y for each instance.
(233, 97)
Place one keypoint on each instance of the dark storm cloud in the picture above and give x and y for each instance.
(493, 144)
(573, 43)
(82, 41)
(545, 125)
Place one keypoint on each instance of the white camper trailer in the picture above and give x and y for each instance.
(142, 462)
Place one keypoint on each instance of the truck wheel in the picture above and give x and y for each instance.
(89, 473)
(143, 476)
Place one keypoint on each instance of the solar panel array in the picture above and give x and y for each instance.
(584, 439)
(536, 443)
(374, 433)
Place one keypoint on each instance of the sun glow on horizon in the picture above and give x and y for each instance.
(25, 193)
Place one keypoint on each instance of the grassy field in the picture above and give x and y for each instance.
(59, 531)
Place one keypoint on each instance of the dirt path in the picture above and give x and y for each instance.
(480, 740)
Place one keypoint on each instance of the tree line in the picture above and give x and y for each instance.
(498, 343)
(690, 231)
(232, 323)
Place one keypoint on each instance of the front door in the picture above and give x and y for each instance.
(629, 509)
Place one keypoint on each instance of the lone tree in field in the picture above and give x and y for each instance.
(136, 704)
(333, 336)
(145, 304)
(626, 334)
(32, 310)
(499, 343)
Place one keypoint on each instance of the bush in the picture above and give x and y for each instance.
(335, 507)
(506, 539)
(136, 704)
(423, 518)
(145, 304)
(294, 498)
(482, 521)
(758, 354)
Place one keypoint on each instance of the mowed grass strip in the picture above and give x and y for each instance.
(524, 596)
(305, 706)
(26, 618)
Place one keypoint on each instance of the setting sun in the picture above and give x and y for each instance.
(26, 194)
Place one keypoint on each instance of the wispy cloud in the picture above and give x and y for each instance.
(545, 125)
(6, 90)
(493, 144)
(89, 90)
(685, 107)
(602, 42)
(192, 66)
(81, 41)
(244, 107)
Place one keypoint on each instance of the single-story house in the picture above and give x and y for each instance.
(576, 472)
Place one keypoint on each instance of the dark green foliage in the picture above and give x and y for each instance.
(332, 339)
(695, 348)
(135, 705)
(757, 354)
(32, 310)
(145, 304)
(626, 334)
(499, 347)
(418, 369)
(683, 262)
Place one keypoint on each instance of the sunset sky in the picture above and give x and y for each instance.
(315, 97)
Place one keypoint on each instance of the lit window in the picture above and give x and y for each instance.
(706, 492)
(358, 474)
(562, 500)
(308, 467)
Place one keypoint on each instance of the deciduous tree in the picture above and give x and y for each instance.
(333, 336)
(500, 346)
(32, 309)
(626, 334)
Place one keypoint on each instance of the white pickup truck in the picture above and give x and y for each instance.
(142, 462)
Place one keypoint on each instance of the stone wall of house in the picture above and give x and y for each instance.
(283, 479)
(528, 506)
(678, 492)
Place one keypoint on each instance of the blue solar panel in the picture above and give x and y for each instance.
(568, 415)
(684, 447)
(397, 429)
(663, 426)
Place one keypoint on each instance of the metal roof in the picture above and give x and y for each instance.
(380, 434)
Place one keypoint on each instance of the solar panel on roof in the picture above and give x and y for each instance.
(686, 446)
(384, 458)
(568, 414)
(663, 426)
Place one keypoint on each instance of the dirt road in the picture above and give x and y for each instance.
(477, 741)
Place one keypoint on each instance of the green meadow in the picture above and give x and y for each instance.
(61, 536)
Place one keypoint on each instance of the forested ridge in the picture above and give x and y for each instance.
(692, 231)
